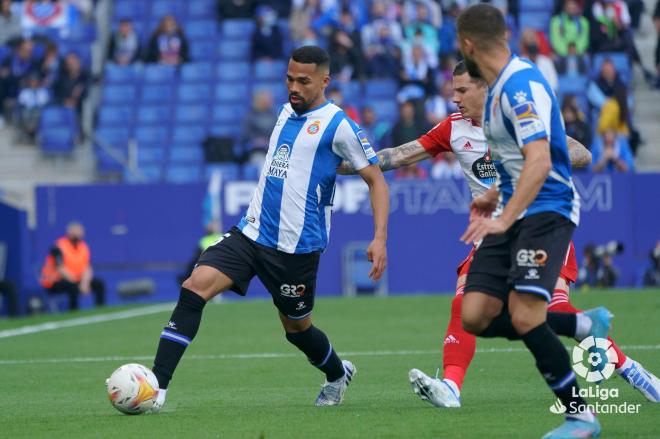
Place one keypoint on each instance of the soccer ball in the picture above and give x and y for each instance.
(132, 389)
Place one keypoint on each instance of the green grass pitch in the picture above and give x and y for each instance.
(52, 382)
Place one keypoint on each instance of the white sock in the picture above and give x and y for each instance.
(586, 416)
(453, 386)
(160, 399)
(582, 326)
(626, 364)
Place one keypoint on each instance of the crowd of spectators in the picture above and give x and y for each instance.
(34, 73)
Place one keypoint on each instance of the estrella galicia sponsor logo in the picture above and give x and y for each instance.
(292, 290)
(531, 258)
(484, 169)
(279, 167)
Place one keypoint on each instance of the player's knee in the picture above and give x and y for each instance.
(525, 322)
(198, 285)
(473, 322)
(296, 325)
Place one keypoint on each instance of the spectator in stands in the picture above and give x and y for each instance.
(408, 127)
(529, 48)
(614, 114)
(572, 64)
(229, 9)
(125, 46)
(31, 101)
(335, 95)
(50, 66)
(446, 166)
(440, 105)
(420, 32)
(381, 40)
(611, 153)
(569, 28)
(267, 40)
(576, 127)
(417, 71)
(345, 58)
(447, 34)
(321, 16)
(376, 131)
(652, 274)
(68, 268)
(348, 24)
(168, 44)
(258, 126)
(71, 87)
(10, 23)
(19, 64)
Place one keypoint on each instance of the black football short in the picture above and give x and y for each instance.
(289, 278)
(527, 258)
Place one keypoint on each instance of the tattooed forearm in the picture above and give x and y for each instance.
(392, 158)
(580, 156)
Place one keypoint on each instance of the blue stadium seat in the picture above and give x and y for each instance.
(160, 8)
(228, 113)
(232, 92)
(352, 92)
(576, 85)
(134, 9)
(229, 171)
(186, 154)
(536, 5)
(83, 50)
(105, 163)
(199, 71)
(232, 71)
(157, 93)
(386, 109)
(182, 174)
(621, 63)
(154, 114)
(154, 154)
(114, 73)
(82, 32)
(539, 20)
(202, 8)
(189, 134)
(5, 51)
(202, 50)
(238, 28)
(115, 115)
(153, 134)
(118, 135)
(198, 114)
(380, 89)
(194, 92)
(149, 173)
(56, 140)
(234, 50)
(270, 70)
(57, 117)
(157, 73)
(227, 130)
(276, 88)
(119, 94)
(201, 29)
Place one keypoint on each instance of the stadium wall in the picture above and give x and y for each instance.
(150, 231)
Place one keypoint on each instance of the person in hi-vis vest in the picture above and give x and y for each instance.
(68, 269)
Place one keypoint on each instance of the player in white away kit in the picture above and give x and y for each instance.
(461, 134)
(286, 227)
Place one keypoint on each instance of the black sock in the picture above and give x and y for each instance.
(177, 335)
(563, 323)
(314, 343)
(554, 364)
(501, 326)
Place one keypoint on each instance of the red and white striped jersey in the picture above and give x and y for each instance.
(466, 139)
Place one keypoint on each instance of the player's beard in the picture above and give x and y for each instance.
(472, 67)
(299, 107)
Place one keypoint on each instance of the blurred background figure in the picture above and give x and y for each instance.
(125, 47)
(73, 83)
(258, 126)
(652, 274)
(32, 99)
(168, 44)
(267, 40)
(211, 236)
(68, 268)
(611, 152)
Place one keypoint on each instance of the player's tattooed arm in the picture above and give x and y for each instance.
(393, 158)
(579, 154)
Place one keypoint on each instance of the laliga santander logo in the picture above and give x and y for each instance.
(597, 350)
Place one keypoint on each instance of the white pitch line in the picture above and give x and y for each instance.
(81, 321)
(271, 355)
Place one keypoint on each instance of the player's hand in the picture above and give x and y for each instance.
(377, 255)
(481, 227)
(482, 206)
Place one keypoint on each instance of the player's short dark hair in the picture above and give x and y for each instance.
(311, 55)
(483, 23)
(461, 68)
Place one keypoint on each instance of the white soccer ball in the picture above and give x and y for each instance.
(132, 389)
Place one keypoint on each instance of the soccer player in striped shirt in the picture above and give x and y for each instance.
(287, 226)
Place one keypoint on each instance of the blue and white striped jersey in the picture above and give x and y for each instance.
(520, 108)
(290, 209)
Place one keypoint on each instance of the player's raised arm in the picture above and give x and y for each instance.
(579, 154)
(380, 205)
(392, 158)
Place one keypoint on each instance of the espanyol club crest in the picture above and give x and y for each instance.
(314, 127)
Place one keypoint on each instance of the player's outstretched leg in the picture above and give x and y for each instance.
(315, 345)
(627, 368)
(457, 353)
(204, 283)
